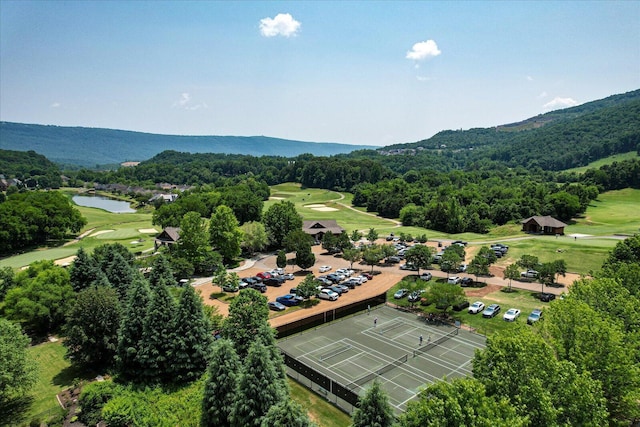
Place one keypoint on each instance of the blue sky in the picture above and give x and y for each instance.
(370, 72)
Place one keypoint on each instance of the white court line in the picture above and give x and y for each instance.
(448, 365)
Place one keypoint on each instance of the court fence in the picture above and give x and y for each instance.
(314, 320)
(334, 392)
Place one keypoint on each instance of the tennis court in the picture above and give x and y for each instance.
(385, 344)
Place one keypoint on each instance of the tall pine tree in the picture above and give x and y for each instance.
(120, 274)
(160, 268)
(192, 338)
(157, 336)
(248, 312)
(220, 388)
(258, 388)
(84, 271)
(131, 327)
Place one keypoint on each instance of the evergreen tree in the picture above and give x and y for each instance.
(281, 259)
(157, 336)
(220, 388)
(305, 258)
(91, 330)
(258, 388)
(192, 338)
(267, 335)
(287, 413)
(160, 268)
(120, 274)
(103, 255)
(84, 271)
(374, 409)
(248, 312)
(131, 328)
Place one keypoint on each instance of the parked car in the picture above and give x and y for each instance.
(259, 286)
(393, 259)
(351, 283)
(327, 294)
(534, 316)
(476, 307)
(529, 274)
(289, 300)
(401, 293)
(335, 278)
(453, 280)
(459, 243)
(462, 268)
(273, 281)
(415, 296)
(264, 275)
(408, 266)
(345, 272)
(466, 281)
(491, 311)
(426, 276)
(276, 306)
(230, 287)
(460, 305)
(368, 275)
(337, 289)
(547, 297)
(325, 268)
(362, 278)
(511, 315)
(288, 276)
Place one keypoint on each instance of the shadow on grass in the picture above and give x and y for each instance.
(71, 374)
(14, 410)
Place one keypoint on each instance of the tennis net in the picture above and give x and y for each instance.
(434, 343)
(365, 379)
(335, 352)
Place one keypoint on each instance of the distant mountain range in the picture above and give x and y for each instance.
(92, 146)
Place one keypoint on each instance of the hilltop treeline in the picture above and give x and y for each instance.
(30, 168)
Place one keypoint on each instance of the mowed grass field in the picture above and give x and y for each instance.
(606, 161)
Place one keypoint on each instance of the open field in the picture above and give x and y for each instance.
(606, 161)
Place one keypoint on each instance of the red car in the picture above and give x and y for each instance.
(264, 275)
(368, 275)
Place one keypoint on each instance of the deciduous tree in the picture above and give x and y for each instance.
(374, 409)
(247, 312)
(91, 330)
(420, 256)
(18, 372)
(279, 220)
(225, 234)
(255, 236)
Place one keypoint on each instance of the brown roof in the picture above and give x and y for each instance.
(169, 233)
(545, 221)
(324, 226)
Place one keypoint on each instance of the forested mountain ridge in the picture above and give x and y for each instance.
(92, 146)
(560, 140)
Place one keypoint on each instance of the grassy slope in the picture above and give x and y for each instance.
(605, 161)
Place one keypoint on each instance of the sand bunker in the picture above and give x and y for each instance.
(314, 206)
(578, 235)
(325, 209)
(276, 198)
(147, 230)
(97, 233)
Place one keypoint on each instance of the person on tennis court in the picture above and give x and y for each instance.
(375, 322)
(368, 309)
(420, 339)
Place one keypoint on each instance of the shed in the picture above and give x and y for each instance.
(168, 236)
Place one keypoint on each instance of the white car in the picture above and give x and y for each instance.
(362, 279)
(476, 307)
(453, 280)
(328, 294)
(344, 271)
(511, 315)
(325, 268)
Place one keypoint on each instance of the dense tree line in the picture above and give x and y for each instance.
(32, 169)
(35, 217)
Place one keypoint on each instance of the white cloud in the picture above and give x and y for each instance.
(185, 103)
(423, 50)
(543, 94)
(557, 103)
(529, 78)
(282, 25)
(55, 105)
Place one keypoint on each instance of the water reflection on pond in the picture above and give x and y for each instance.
(110, 205)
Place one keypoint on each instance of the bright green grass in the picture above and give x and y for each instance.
(321, 411)
(606, 161)
(614, 212)
(55, 374)
(122, 233)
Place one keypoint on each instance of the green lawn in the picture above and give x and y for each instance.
(606, 161)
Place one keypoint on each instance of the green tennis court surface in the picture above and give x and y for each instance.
(386, 345)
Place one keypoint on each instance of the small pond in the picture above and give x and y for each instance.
(110, 205)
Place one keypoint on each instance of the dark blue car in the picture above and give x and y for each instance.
(289, 300)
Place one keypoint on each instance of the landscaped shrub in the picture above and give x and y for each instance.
(93, 398)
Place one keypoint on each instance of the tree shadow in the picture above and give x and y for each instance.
(14, 410)
(71, 374)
